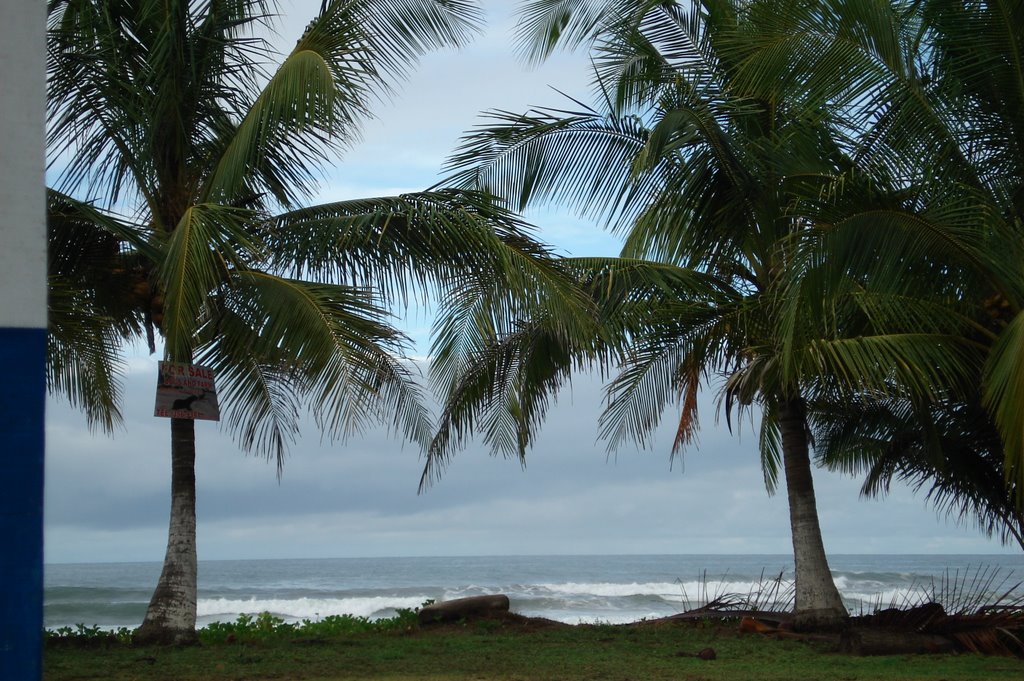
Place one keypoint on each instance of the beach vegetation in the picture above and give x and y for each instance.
(85, 635)
(185, 153)
(504, 651)
(267, 625)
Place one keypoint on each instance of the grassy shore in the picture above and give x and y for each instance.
(501, 651)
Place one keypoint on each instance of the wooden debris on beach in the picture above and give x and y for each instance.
(474, 607)
(887, 641)
(928, 628)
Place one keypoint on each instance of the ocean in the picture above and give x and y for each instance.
(574, 589)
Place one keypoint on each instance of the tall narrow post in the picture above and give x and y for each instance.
(22, 336)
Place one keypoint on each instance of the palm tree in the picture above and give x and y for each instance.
(925, 227)
(934, 91)
(181, 169)
(969, 117)
(706, 179)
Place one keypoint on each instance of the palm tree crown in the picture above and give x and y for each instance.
(705, 178)
(182, 166)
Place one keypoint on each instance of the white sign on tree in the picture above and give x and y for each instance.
(186, 391)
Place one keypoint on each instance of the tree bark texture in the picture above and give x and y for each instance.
(818, 604)
(171, 616)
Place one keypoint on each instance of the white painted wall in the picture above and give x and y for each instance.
(22, 188)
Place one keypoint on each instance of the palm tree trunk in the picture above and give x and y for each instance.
(171, 616)
(818, 604)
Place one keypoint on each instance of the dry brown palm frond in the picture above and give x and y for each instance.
(981, 610)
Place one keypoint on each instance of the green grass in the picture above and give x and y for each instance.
(399, 650)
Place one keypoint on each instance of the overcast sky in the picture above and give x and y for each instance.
(107, 499)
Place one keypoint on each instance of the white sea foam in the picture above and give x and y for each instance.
(296, 609)
(679, 591)
(712, 588)
(611, 590)
(884, 598)
(571, 589)
(872, 593)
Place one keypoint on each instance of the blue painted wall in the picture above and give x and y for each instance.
(22, 403)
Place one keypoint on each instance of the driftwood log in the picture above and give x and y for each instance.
(474, 607)
(885, 641)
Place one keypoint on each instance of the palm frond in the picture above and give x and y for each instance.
(577, 158)
(544, 25)
(400, 243)
(660, 46)
(207, 244)
(919, 362)
(261, 397)
(949, 449)
(83, 362)
(330, 345)
(483, 259)
(397, 33)
(503, 392)
(307, 109)
(97, 290)
(1003, 383)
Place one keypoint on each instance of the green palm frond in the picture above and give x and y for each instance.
(581, 159)
(544, 25)
(622, 285)
(948, 449)
(648, 382)
(1004, 397)
(660, 46)
(353, 52)
(989, 82)
(708, 213)
(507, 376)
(823, 53)
(77, 228)
(398, 32)
(315, 101)
(97, 276)
(665, 325)
(208, 242)
(308, 108)
(92, 108)
(897, 248)
(769, 444)
(261, 398)
(402, 242)
(474, 312)
(484, 261)
(503, 393)
(285, 345)
(83, 362)
(919, 362)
